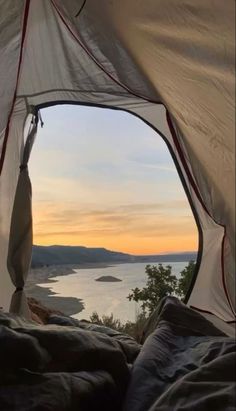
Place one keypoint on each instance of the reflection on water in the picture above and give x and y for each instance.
(106, 297)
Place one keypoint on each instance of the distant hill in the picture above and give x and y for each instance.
(163, 258)
(60, 255)
(63, 254)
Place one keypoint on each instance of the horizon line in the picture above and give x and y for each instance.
(116, 251)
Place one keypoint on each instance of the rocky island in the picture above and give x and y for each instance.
(108, 278)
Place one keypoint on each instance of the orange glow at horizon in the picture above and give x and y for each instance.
(126, 244)
(130, 229)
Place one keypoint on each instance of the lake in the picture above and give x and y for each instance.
(106, 297)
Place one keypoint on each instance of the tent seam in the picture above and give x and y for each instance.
(23, 31)
(90, 54)
(81, 8)
(117, 93)
(187, 170)
(195, 188)
(223, 272)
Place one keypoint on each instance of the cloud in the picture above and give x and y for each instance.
(145, 220)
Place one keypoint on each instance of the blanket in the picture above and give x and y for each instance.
(185, 364)
(61, 368)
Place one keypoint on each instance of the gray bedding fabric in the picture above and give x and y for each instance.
(69, 367)
(185, 364)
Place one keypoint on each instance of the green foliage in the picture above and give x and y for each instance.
(185, 279)
(134, 329)
(160, 283)
(107, 321)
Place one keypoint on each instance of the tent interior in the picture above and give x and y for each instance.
(170, 63)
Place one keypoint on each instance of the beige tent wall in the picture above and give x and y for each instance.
(213, 290)
(8, 183)
(10, 41)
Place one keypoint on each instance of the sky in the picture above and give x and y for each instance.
(103, 178)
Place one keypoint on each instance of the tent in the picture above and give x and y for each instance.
(169, 62)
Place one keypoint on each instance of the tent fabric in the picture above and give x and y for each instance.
(169, 62)
(8, 184)
(21, 235)
(10, 40)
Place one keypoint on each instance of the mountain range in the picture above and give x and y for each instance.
(63, 254)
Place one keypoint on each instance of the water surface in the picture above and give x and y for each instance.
(106, 297)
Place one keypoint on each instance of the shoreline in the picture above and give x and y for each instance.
(46, 275)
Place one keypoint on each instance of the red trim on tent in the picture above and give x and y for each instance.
(24, 25)
(193, 184)
(90, 54)
(223, 272)
(184, 163)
